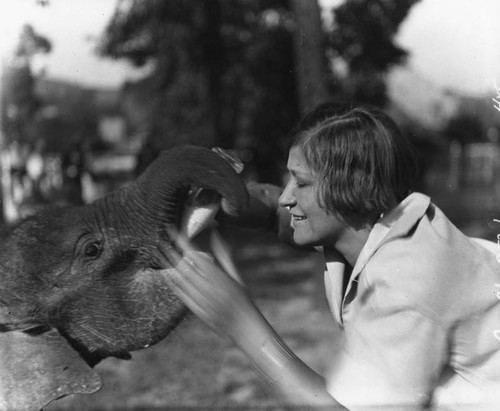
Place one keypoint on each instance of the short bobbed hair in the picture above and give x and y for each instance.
(362, 161)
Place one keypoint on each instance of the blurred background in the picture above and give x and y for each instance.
(92, 90)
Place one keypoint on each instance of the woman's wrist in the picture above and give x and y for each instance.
(278, 364)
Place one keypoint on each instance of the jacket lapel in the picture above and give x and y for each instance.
(334, 278)
(395, 224)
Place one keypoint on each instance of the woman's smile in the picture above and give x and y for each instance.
(296, 217)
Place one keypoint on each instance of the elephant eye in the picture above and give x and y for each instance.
(92, 249)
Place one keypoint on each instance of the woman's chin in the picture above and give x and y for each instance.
(303, 241)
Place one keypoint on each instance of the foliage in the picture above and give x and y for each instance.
(464, 128)
(222, 72)
(68, 120)
(19, 100)
(46, 116)
(45, 127)
(363, 38)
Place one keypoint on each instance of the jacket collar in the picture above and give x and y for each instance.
(397, 223)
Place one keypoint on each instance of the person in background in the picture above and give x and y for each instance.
(417, 300)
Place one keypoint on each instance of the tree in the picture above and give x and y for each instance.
(363, 39)
(222, 73)
(237, 73)
(178, 39)
(312, 75)
(464, 128)
(19, 100)
(269, 102)
(18, 109)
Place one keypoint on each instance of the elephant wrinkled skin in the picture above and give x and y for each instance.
(81, 284)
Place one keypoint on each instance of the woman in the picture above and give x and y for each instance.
(416, 298)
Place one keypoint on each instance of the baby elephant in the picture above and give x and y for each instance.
(80, 284)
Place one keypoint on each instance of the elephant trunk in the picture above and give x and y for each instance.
(155, 200)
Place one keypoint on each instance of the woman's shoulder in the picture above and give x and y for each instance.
(441, 276)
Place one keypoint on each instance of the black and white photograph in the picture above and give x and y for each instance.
(249, 205)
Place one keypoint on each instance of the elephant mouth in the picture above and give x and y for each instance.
(93, 358)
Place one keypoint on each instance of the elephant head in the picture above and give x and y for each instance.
(80, 284)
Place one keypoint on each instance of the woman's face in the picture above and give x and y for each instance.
(312, 224)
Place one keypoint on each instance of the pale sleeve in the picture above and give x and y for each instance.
(393, 355)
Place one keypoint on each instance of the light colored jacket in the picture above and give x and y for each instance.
(420, 314)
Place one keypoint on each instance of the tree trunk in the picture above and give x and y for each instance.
(311, 75)
(310, 58)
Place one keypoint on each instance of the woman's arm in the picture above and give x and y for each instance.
(224, 306)
(263, 212)
(277, 363)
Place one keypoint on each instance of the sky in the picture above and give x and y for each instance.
(72, 26)
(454, 43)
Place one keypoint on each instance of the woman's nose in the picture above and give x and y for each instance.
(287, 199)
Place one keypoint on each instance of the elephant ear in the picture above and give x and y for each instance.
(37, 368)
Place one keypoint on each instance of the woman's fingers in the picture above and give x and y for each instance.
(206, 288)
(197, 276)
(223, 255)
(204, 300)
(188, 291)
(182, 284)
(205, 265)
(203, 261)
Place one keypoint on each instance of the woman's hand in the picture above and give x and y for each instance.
(213, 292)
(211, 288)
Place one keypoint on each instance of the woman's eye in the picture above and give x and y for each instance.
(92, 250)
